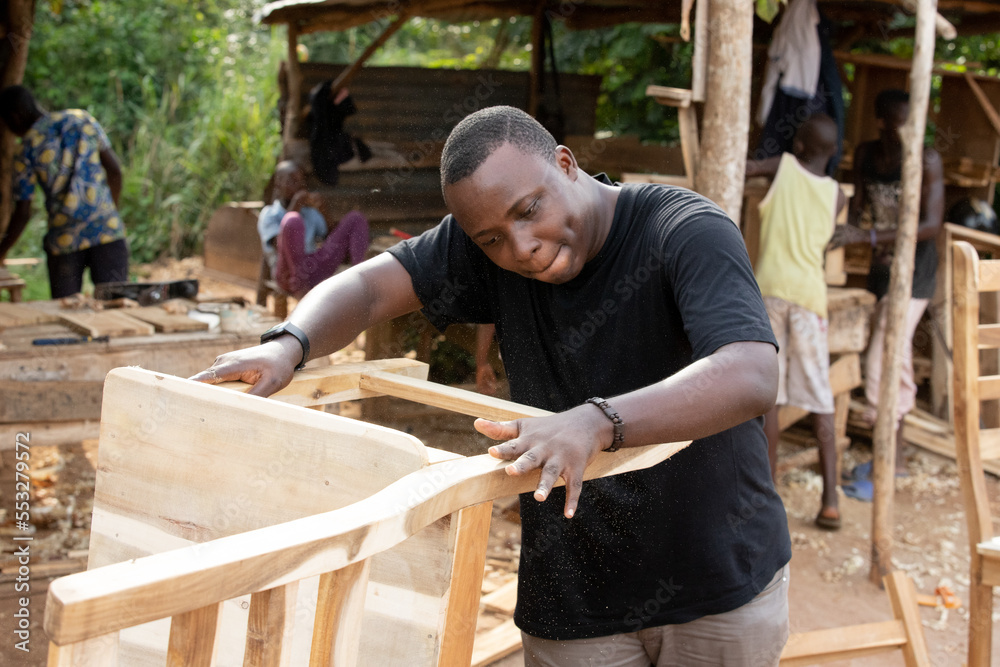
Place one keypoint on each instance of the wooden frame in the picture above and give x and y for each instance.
(855, 641)
(394, 531)
(974, 444)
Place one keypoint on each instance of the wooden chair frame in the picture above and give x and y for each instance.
(974, 444)
(85, 612)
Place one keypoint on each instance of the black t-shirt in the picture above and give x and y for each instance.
(701, 533)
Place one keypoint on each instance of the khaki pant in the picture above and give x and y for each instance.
(751, 636)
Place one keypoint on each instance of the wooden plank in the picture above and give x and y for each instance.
(903, 598)
(50, 401)
(496, 643)
(22, 315)
(989, 387)
(49, 433)
(449, 398)
(105, 323)
(166, 322)
(699, 61)
(844, 643)
(671, 97)
(989, 276)
(471, 540)
(269, 630)
(337, 630)
(192, 637)
(984, 102)
(168, 584)
(989, 444)
(320, 386)
(503, 599)
(102, 650)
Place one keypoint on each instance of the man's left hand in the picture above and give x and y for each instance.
(560, 445)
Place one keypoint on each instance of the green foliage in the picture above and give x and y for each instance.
(185, 91)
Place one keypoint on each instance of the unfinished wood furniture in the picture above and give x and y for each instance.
(973, 443)
(903, 633)
(263, 533)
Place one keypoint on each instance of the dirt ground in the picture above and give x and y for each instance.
(829, 574)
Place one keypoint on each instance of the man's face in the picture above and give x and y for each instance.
(288, 183)
(527, 214)
(895, 118)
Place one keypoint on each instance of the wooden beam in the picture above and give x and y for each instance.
(192, 637)
(844, 643)
(901, 282)
(351, 71)
(473, 531)
(336, 636)
(699, 61)
(984, 102)
(270, 627)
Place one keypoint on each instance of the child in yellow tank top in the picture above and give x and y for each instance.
(798, 216)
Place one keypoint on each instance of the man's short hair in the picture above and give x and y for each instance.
(17, 105)
(889, 99)
(476, 137)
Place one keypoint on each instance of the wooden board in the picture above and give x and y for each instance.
(21, 315)
(165, 322)
(49, 401)
(111, 323)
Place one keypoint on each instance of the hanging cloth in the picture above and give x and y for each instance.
(329, 144)
(793, 57)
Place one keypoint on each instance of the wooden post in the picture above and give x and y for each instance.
(19, 19)
(294, 109)
(726, 122)
(698, 64)
(900, 288)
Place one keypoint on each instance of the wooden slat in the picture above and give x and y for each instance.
(319, 386)
(22, 315)
(192, 637)
(989, 336)
(990, 553)
(165, 322)
(496, 643)
(989, 275)
(269, 630)
(339, 609)
(989, 387)
(989, 444)
(449, 398)
(49, 401)
(844, 643)
(903, 598)
(106, 323)
(102, 650)
(502, 599)
(671, 97)
(473, 534)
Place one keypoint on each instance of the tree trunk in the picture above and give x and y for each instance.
(18, 22)
(725, 126)
(900, 289)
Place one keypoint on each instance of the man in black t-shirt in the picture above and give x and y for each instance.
(642, 295)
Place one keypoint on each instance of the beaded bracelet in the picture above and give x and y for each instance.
(619, 425)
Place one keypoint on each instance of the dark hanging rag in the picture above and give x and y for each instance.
(329, 144)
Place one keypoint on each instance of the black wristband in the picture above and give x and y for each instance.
(618, 423)
(289, 328)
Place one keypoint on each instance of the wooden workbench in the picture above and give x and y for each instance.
(54, 391)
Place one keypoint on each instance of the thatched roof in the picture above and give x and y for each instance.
(311, 15)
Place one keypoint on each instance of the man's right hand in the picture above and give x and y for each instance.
(267, 367)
